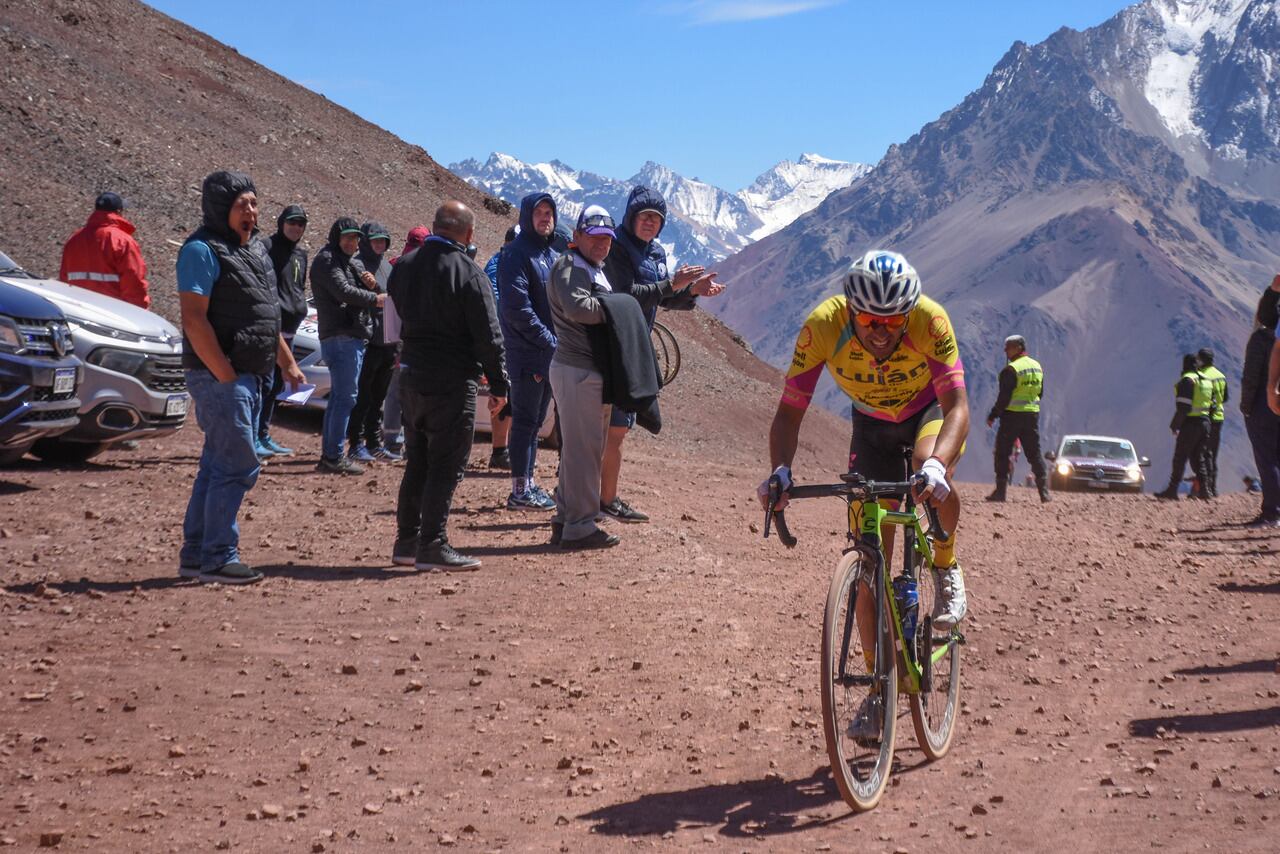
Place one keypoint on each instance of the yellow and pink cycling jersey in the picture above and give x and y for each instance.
(926, 363)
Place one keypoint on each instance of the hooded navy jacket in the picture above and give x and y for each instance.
(342, 301)
(290, 263)
(632, 261)
(524, 310)
(381, 269)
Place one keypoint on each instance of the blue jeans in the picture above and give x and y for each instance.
(227, 413)
(530, 399)
(344, 356)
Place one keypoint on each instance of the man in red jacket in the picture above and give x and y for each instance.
(104, 257)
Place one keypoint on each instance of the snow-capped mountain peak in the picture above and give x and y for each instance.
(792, 188)
(1174, 71)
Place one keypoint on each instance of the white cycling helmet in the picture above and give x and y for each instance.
(882, 283)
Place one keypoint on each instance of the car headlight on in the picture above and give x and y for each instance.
(1133, 471)
(1064, 468)
(119, 361)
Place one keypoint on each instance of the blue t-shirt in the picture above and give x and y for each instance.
(198, 268)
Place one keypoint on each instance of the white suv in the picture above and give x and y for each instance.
(133, 387)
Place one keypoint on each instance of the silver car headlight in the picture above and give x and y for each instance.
(1133, 471)
(1064, 468)
(11, 340)
(120, 361)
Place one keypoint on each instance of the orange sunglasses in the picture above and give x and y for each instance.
(893, 321)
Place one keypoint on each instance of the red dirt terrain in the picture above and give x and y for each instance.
(1119, 684)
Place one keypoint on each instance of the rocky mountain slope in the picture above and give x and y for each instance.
(707, 223)
(1113, 195)
(114, 95)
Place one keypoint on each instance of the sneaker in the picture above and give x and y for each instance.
(275, 447)
(622, 511)
(231, 573)
(953, 602)
(404, 551)
(359, 454)
(262, 450)
(557, 533)
(1166, 495)
(341, 465)
(441, 556)
(597, 539)
(868, 723)
(188, 570)
(1262, 521)
(500, 459)
(1044, 494)
(998, 495)
(386, 455)
(530, 500)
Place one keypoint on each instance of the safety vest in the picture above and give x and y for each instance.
(1201, 394)
(1026, 394)
(1218, 384)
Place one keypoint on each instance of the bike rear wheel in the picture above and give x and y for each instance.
(935, 708)
(860, 766)
(667, 351)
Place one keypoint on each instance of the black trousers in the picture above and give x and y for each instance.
(1021, 427)
(1211, 444)
(1193, 438)
(437, 440)
(375, 379)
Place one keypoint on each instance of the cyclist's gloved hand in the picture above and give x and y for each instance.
(784, 474)
(937, 487)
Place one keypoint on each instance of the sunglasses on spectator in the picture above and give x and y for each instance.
(596, 221)
(893, 321)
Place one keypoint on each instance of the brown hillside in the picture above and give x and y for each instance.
(113, 95)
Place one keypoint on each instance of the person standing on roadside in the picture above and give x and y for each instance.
(499, 417)
(230, 341)
(364, 431)
(449, 327)
(530, 342)
(104, 257)
(1193, 401)
(392, 429)
(1018, 408)
(1217, 414)
(1263, 425)
(289, 260)
(344, 292)
(637, 258)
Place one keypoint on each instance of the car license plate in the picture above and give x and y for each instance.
(1098, 484)
(64, 380)
(175, 405)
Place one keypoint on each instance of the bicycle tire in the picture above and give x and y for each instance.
(935, 709)
(667, 351)
(861, 772)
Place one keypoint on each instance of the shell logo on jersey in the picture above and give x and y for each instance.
(939, 327)
(805, 341)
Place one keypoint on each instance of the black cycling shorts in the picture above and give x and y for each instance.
(875, 451)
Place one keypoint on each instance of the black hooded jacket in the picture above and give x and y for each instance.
(290, 263)
(632, 261)
(342, 300)
(381, 269)
(244, 309)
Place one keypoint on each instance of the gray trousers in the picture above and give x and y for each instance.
(584, 421)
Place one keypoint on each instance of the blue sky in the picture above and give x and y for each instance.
(715, 89)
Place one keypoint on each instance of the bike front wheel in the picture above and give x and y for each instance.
(934, 708)
(859, 686)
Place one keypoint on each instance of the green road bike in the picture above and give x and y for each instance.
(864, 667)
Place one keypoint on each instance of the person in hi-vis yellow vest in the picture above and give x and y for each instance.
(1193, 399)
(1018, 408)
(1217, 414)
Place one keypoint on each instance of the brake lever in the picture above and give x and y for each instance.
(771, 515)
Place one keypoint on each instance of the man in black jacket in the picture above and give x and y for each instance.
(290, 263)
(449, 326)
(344, 292)
(364, 431)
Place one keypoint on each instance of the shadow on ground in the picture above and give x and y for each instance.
(1212, 722)
(1267, 665)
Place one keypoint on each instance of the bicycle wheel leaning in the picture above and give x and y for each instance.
(667, 352)
(934, 709)
(859, 690)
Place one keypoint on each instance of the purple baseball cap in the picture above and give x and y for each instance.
(595, 220)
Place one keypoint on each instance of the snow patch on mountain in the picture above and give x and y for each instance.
(793, 188)
(1173, 71)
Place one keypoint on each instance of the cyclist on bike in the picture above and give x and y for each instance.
(894, 352)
